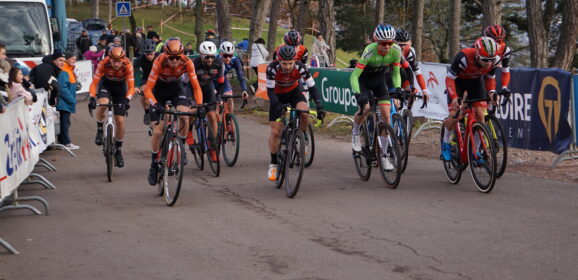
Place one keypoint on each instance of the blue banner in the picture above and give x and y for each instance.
(576, 109)
(537, 117)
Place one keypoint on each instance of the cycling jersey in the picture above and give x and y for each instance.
(145, 66)
(238, 66)
(301, 54)
(124, 73)
(207, 74)
(505, 54)
(409, 54)
(167, 74)
(466, 67)
(372, 62)
(279, 82)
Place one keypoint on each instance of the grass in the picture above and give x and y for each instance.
(185, 22)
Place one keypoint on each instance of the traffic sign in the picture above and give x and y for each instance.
(123, 9)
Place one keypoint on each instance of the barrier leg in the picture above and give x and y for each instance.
(46, 164)
(430, 124)
(8, 247)
(62, 147)
(41, 180)
(12, 203)
(341, 119)
(571, 154)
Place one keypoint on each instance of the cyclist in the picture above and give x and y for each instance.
(164, 84)
(368, 77)
(283, 88)
(498, 33)
(210, 69)
(467, 73)
(293, 38)
(230, 62)
(403, 40)
(145, 63)
(114, 78)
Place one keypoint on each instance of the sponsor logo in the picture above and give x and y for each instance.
(549, 106)
(18, 148)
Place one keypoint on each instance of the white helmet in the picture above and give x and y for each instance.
(227, 47)
(208, 48)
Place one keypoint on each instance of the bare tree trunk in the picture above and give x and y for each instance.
(95, 7)
(567, 44)
(110, 11)
(199, 23)
(273, 17)
(257, 21)
(223, 19)
(418, 28)
(292, 6)
(302, 17)
(379, 11)
(455, 15)
(492, 12)
(327, 21)
(537, 34)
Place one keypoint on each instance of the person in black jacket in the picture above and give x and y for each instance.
(45, 75)
(151, 33)
(83, 42)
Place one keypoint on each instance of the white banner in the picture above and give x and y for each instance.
(83, 73)
(42, 116)
(17, 157)
(435, 78)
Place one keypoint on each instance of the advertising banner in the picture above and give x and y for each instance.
(83, 73)
(335, 90)
(576, 109)
(42, 116)
(437, 106)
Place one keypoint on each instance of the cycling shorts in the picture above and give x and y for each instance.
(170, 91)
(293, 97)
(374, 83)
(115, 90)
(476, 90)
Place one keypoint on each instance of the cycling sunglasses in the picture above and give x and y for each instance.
(117, 60)
(487, 59)
(207, 57)
(174, 57)
(227, 55)
(385, 43)
(402, 45)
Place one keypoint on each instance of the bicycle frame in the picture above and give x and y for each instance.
(469, 119)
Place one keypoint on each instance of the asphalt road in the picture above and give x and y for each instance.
(238, 226)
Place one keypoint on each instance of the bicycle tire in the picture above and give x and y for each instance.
(281, 157)
(362, 159)
(500, 143)
(487, 160)
(161, 163)
(294, 163)
(230, 140)
(197, 148)
(402, 139)
(174, 168)
(391, 177)
(453, 168)
(212, 148)
(109, 152)
(310, 147)
(408, 119)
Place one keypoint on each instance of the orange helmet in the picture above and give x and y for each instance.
(116, 52)
(173, 46)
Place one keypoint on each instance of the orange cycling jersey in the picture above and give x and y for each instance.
(161, 70)
(124, 73)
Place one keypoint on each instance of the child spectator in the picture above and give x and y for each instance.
(67, 99)
(16, 88)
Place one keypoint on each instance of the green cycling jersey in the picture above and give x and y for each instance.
(372, 61)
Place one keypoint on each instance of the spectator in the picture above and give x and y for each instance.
(259, 55)
(93, 56)
(83, 42)
(16, 78)
(111, 36)
(151, 33)
(101, 43)
(4, 78)
(189, 49)
(244, 44)
(320, 49)
(159, 43)
(45, 75)
(67, 99)
(109, 29)
(3, 52)
(138, 44)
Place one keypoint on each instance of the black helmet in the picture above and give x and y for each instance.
(292, 38)
(287, 52)
(402, 36)
(149, 46)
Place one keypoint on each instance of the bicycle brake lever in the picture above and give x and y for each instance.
(244, 103)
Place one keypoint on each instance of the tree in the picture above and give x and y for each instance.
(257, 21)
(537, 33)
(109, 11)
(223, 19)
(492, 12)
(199, 23)
(303, 17)
(95, 8)
(273, 17)
(327, 22)
(454, 27)
(418, 28)
(379, 11)
(566, 50)
(356, 30)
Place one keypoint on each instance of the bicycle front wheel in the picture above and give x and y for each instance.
(196, 147)
(173, 171)
(362, 159)
(109, 151)
(500, 143)
(482, 158)
(310, 147)
(230, 138)
(454, 167)
(388, 155)
(281, 159)
(212, 150)
(402, 139)
(294, 163)
(408, 119)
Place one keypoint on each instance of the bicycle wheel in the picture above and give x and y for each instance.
(230, 138)
(294, 163)
(310, 147)
(109, 151)
(387, 152)
(408, 119)
(500, 143)
(197, 147)
(482, 158)
(454, 167)
(402, 139)
(281, 160)
(173, 171)
(212, 150)
(162, 161)
(362, 159)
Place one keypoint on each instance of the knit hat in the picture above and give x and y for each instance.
(92, 49)
(57, 54)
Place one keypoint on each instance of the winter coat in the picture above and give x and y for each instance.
(259, 55)
(67, 97)
(94, 57)
(45, 76)
(83, 43)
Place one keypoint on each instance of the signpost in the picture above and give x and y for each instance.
(123, 10)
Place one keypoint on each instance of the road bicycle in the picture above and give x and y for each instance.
(108, 146)
(229, 134)
(202, 140)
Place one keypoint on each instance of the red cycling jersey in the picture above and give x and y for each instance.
(505, 53)
(162, 71)
(301, 53)
(124, 73)
(465, 66)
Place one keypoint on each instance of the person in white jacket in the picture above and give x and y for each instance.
(320, 49)
(259, 55)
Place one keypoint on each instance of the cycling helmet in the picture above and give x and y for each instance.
(486, 47)
(384, 32)
(116, 52)
(227, 47)
(208, 48)
(402, 36)
(292, 38)
(287, 52)
(173, 46)
(496, 31)
(149, 46)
